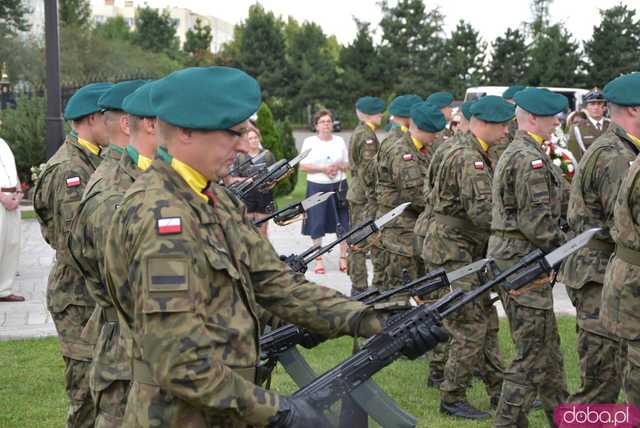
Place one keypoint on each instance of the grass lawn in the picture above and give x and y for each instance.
(32, 392)
(28, 215)
(297, 194)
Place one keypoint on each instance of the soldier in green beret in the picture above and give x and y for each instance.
(509, 93)
(363, 148)
(529, 196)
(583, 134)
(56, 199)
(496, 150)
(442, 101)
(457, 236)
(400, 179)
(620, 296)
(186, 269)
(400, 111)
(110, 373)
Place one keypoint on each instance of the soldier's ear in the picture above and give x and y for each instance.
(185, 135)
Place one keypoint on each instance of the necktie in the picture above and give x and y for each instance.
(598, 126)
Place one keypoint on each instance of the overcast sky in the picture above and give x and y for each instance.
(490, 17)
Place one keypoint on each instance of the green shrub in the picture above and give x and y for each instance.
(288, 144)
(24, 130)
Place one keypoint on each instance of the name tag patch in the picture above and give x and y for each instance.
(478, 165)
(169, 225)
(73, 181)
(537, 164)
(407, 157)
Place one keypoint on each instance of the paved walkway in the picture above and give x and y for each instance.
(31, 318)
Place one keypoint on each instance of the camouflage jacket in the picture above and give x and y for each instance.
(593, 194)
(186, 276)
(528, 194)
(363, 148)
(400, 179)
(588, 135)
(621, 291)
(461, 204)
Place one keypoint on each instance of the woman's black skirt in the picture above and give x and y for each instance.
(331, 216)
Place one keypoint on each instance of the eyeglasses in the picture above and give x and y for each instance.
(325, 121)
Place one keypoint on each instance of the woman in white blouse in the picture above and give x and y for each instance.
(326, 167)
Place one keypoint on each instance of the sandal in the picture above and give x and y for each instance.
(319, 269)
(343, 266)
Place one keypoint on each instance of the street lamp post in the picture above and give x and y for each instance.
(55, 128)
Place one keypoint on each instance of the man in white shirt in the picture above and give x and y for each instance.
(584, 133)
(10, 196)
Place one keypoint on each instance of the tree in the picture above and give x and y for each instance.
(555, 58)
(155, 31)
(289, 151)
(115, 28)
(198, 44)
(541, 16)
(13, 17)
(360, 65)
(75, 13)
(614, 45)
(510, 59)
(464, 59)
(412, 47)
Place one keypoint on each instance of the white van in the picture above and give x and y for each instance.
(574, 95)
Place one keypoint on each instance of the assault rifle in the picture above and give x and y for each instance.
(251, 161)
(298, 263)
(384, 348)
(289, 214)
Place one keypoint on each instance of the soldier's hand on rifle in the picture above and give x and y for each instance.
(297, 412)
(423, 338)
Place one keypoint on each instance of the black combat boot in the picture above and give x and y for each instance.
(462, 409)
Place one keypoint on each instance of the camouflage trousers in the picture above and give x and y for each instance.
(537, 367)
(379, 260)
(472, 336)
(111, 403)
(601, 357)
(631, 373)
(357, 267)
(77, 360)
(398, 269)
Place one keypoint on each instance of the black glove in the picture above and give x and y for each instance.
(296, 412)
(423, 338)
(311, 340)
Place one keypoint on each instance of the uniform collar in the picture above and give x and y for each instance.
(634, 139)
(194, 179)
(483, 144)
(537, 138)
(87, 145)
(141, 161)
(596, 122)
(419, 144)
(370, 125)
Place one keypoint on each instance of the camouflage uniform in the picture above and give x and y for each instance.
(378, 254)
(110, 370)
(593, 193)
(400, 179)
(457, 236)
(363, 148)
(186, 275)
(619, 313)
(528, 195)
(56, 200)
(589, 134)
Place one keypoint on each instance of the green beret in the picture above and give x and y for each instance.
(493, 109)
(112, 99)
(210, 98)
(624, 90)
(85, 100)
(428, 117)
(541, 102)
(401, 105)
(138, 103)
(511, 91)
(466, 109)
(440, 99)
(370, 105)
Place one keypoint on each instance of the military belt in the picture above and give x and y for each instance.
(454, 222)
(109, 314)
(13, 189)
(511, 234)
(599, 244)
(142, 373)
(628, 255)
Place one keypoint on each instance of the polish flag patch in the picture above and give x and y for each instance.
(169, 225)
(369, 141)
(537, 164)
(478, 165)
(407, 157)
(73, 181)
(630, 163)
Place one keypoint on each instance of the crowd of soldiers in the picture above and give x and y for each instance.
(161, 284)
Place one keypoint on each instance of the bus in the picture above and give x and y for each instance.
(574, 95)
